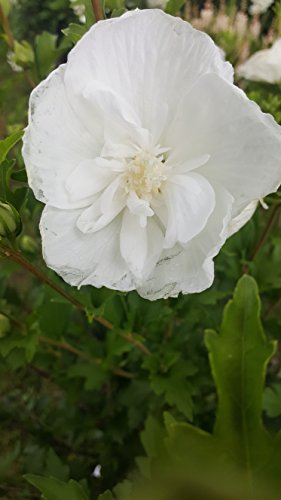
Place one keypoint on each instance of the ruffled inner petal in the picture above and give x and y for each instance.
(103, 210)
(140, 247)
(191, 269)
(190, 201)
(91, 177)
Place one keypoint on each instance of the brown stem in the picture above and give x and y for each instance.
(265, 232)
(15, 256)
(137, 343)
(19, 259)
(68, 347)
(97, 8)
(6, 27)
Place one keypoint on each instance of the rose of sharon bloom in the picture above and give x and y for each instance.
(146, 156)
(264, 65)
(260, 6)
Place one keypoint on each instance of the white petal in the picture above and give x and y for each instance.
(191, 270)
(83, 259)
(91, 176)
(190, 201)
(139, 207)
(55, 142)
(148, 58)
(140, 246)
(241, 219)
(244, 144)
(264, 65)
(189, 165)
(103, 210)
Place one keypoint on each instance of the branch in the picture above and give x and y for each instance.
(68, 347)
(265, 232)
(6, 28)
(98, 11)
(17, 257)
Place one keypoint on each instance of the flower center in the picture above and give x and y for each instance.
(144, 175)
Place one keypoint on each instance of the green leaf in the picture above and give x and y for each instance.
(123, 491)
(173, 6)
(107, 495)
(152, 437)
(272, 400)
(176, 389)
(46, 53)
(74, 32)
(55, 467)
(23, 55)
(9, 143)
(238, 358)
(53, 489)
(94, 375)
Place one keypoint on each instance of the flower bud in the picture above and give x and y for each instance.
(4, 325)
(10, 222)
(28, 244)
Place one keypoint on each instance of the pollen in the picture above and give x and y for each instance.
(145, 174)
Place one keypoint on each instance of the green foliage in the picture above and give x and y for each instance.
(240, 452)
(74, 32)
(272, 400)
(53, 489)
(173, 6)
(7, 144)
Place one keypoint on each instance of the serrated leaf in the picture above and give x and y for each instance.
(7, 144)
(53, 489)
(238, 358)
(74, 32)
(176, 390)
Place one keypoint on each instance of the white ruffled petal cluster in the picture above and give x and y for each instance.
(264, 65)
(146, 156)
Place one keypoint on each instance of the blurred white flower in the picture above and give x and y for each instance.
(264, 65)
(260, 6)
(145, 155)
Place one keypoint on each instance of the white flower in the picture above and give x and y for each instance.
(260, 6)
(144, 151)
(264, 65)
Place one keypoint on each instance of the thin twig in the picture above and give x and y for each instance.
(17, 257)
(68, 347)
(265, 232)
(6, 28)
(137, 343)
(97, 8)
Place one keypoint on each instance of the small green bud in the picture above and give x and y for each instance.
(10, 222)
(28, 244)
(5, 325)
